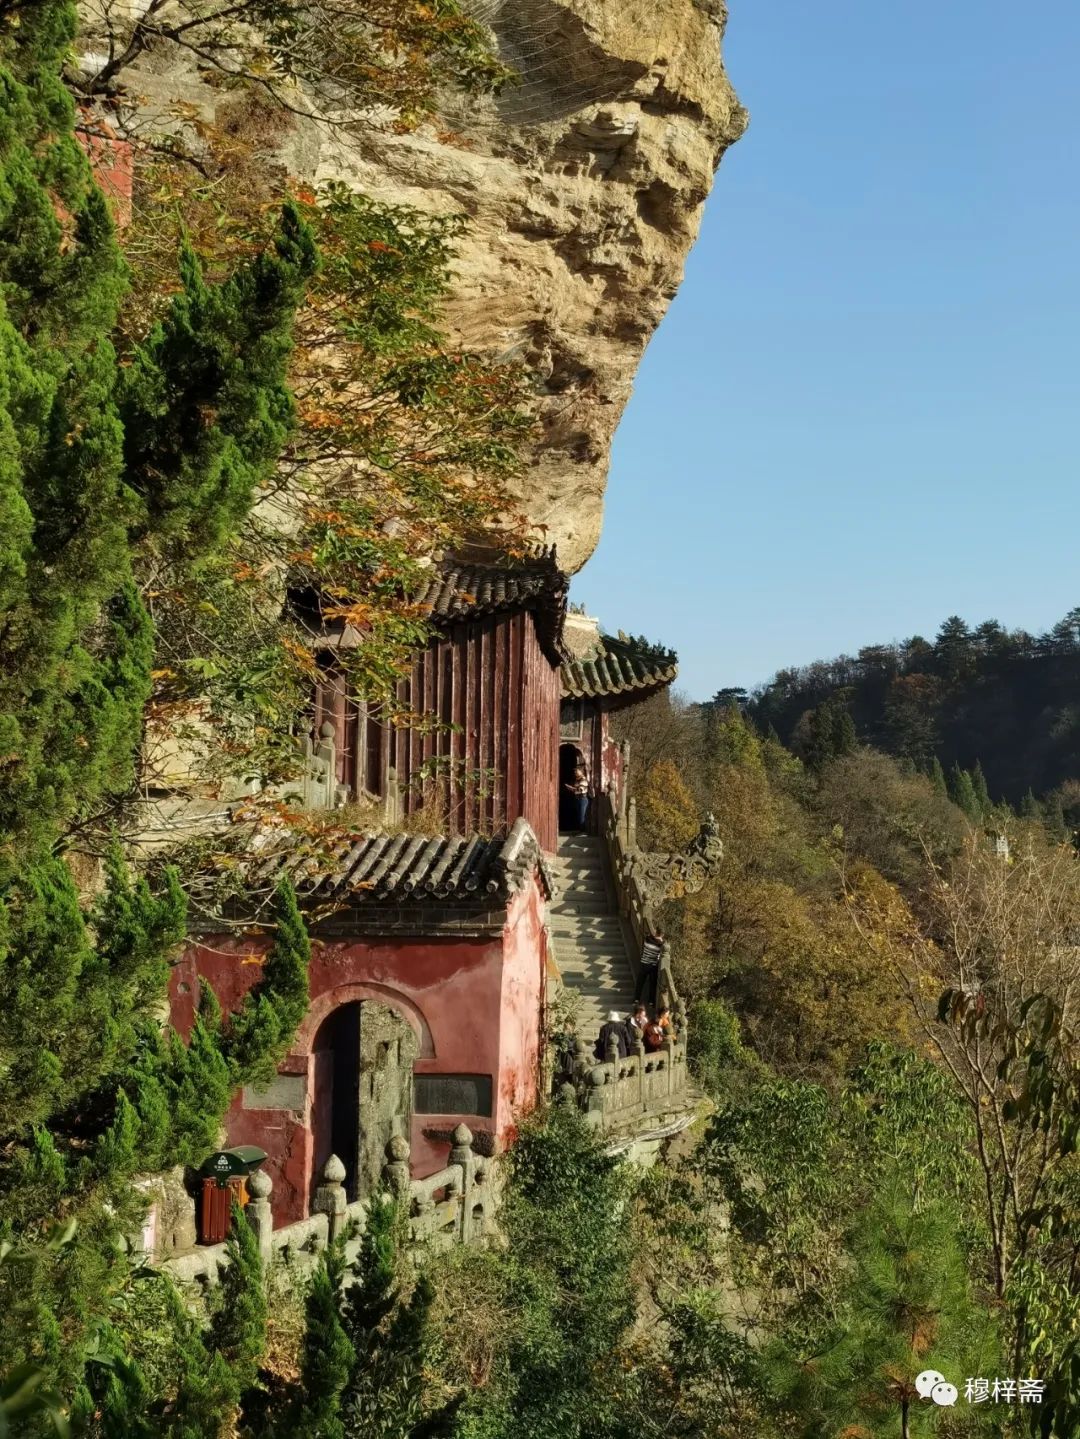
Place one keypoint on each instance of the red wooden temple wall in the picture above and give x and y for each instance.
(482, 747)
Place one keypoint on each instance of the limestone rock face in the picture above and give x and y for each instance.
(584, 188)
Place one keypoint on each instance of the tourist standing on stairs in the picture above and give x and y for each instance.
(567, 1053)
(652, 951)
(614, 1027)
(577, 801)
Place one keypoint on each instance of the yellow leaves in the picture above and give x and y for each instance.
(356, 614)
(666, 808)
(301, 656)
(319, 417)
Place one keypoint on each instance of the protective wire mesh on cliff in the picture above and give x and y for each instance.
(559, 75)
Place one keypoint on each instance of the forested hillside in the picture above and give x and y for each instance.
(883, 1010)
(1004, 699)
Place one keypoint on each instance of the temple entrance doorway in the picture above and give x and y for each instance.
(573, 815)
(363, 1053)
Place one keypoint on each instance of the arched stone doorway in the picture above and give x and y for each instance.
(363, 1055)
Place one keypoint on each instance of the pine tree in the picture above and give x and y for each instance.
(222, 349)
(1055, 819)
(982, 794)
(1029, 807)
(830, 734)
(937, 778)
(206, 1391)
(313, 1405)
(908, 1309)
(63, 548)
(845, 740)
(955, 651)
(962, 792)
(91, 451)
(327, 1358)
(385, 1395)
(238, 1327)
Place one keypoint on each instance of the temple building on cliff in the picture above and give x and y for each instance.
(431, 953)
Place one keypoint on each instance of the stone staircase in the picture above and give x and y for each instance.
(587, 934)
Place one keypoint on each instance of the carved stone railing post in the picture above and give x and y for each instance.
(669, 1061)
(612, 1052)
(396, 1170)
(259, 1214)
(639, 1055)
(330, 1196)
(624, 787)
(462, 1155)
(631, 824)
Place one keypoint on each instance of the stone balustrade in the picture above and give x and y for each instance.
(616, 1094)
(618, 830)
(457, 1205)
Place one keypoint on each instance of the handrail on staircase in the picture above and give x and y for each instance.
(618, 829)
(644, 879)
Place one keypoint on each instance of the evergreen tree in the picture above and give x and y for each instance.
(363, 1353)
(937, 778)
(955, 650)
(1029, 807)
(962, 792)
(221, 350)
(238, 1327)
(908, 1309)
(261, 1031)
(100, 463)
(982, 794)
(1055, 819)
(385, 1396)
(327, 1356)
(830, 733)
(90, 448)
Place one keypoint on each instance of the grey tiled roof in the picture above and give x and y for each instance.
(619, 666)
(460, 592)
(457, 592)
(409, 869)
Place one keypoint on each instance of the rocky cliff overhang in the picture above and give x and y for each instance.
(584, 185)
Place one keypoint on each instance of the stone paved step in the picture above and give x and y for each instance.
(588, 937)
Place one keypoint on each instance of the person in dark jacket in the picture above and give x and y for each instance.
(614, 1026)
(652, 951)
(567, 1054)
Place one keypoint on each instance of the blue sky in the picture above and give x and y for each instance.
(861, 412)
